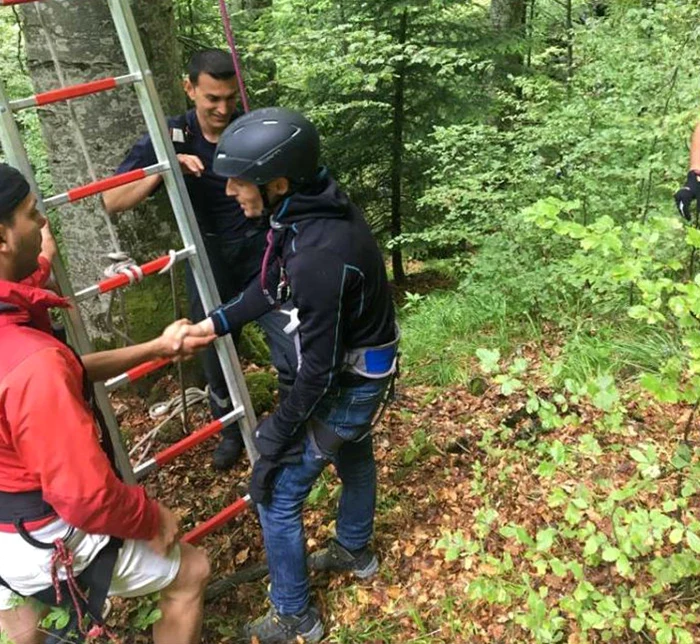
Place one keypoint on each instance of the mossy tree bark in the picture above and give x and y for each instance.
(87, 138)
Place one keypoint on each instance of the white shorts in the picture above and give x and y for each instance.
(138, 570)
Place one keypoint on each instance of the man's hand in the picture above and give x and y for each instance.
(262, 480)
(49, 249)
(190, 164)
(268, 440)
(182, 339)
(685, 196)
(168, 529)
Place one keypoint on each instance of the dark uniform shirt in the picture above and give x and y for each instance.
(217, 215)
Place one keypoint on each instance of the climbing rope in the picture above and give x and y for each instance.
(121, 264)
(177, 314)
(226, 20)
(166, 411)
(63, 558)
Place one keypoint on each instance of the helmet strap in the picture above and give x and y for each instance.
(267, 206)
(270, 205)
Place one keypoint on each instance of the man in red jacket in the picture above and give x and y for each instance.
(57, 485)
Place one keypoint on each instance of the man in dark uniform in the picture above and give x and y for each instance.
(234, 243)
(322, 257)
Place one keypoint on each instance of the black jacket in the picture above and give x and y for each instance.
(338, 283)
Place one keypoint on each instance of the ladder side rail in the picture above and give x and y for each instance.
(16, 154)
(182, 208)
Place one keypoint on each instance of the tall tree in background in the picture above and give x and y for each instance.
(397, 150)
(508, 20)
(507, 15)
(376, 78)
(87, 138)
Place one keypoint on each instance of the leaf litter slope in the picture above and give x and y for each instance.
(465, 483)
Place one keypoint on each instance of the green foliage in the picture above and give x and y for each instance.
(145, 612)
(58, 618)
(17, 85)
(262, 386)
(419, 447)
(442, 332)
(538, 168)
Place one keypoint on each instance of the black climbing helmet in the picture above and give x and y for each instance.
(268, 143)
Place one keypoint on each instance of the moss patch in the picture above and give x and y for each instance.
(262, 386)
(252, 346)
(149, 306)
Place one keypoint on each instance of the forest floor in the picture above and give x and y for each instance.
(454, 470)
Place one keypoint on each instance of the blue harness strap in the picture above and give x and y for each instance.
(374, 362)
(380, 361)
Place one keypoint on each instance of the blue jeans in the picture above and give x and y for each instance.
(348, 411)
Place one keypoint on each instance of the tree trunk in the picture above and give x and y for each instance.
(569, 45)
(397, 154)
(256, 5)
(507, 15)
(87, 138)
(530, 28)
(508, 18)
(250, 5)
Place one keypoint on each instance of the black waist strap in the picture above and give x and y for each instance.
(95, 579)
(23, 507)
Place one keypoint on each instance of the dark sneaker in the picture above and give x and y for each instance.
(335, 558)
(227, 453)
(274, 628)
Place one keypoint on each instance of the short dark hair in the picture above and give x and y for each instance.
(13, 190)
(215, 62)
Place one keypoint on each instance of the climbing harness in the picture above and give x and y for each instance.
(86, 598)
(374, 362)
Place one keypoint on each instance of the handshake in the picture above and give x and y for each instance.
(182, 339)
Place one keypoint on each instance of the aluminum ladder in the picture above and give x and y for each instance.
(192, 251)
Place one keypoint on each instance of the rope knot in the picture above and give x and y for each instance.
(122, 264)
(63, 557)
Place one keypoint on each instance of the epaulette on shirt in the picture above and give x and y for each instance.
(180, 131)
(177, 135)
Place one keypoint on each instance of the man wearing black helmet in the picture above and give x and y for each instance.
(322, 256)
(234, 244)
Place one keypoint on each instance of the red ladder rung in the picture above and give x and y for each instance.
(138, 372)
(83, 89)
(187, 443)
(132, 274)
(7, 3)
(195, 535)
(112, 283)
(147, 367)
(195, 438)
(74, 91)
(96, 187)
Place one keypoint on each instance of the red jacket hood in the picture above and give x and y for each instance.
(23, 303)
